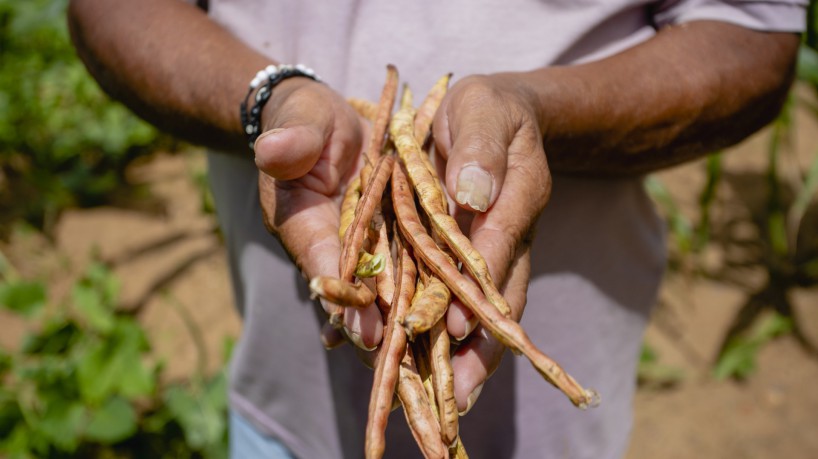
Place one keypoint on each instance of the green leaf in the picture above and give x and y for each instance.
(203, 425)
(57, 337)
(18, 444)
(739, 357)
(6, 363)
(771, 327)
(89, 303)
(805, 196)
(137, 380)
(114, 365)
(216, 392)
(652, 373)
(10, 414)
(706, 199)
(647, 355)
(25, 298)
(737, 360)
(808, 65)
(112, 423)
(680, 227)
(777, 229)
(62, 423)
(105, 281)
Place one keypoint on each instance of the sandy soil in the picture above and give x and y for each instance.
(173, 267)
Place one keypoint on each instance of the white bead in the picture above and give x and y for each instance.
(248, 129)
(271, 70)
(256, 81)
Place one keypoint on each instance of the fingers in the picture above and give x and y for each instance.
(311, 142)
(331, 337)
(297, 126)
(291, 152)
(310, 133)
(364, 326)
(496, 167)
(306, 222)
(474, 130)
(477, 358)
(460, 321)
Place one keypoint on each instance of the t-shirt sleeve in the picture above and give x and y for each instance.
(766, 15)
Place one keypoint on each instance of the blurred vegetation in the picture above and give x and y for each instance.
(786, 222)
(63, 143)
(82, 384)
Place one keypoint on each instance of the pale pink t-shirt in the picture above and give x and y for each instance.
(598, 255)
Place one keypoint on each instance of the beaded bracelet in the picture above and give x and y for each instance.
(265, 80)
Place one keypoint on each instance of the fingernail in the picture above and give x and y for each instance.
(356, 340)
(329, 345)
(474, 188)
(264, 135)
(330, 337)
(324, 342)
(470, 326)
(472, 398)
(269, 133)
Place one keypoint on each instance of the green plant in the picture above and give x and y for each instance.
(785, 252)
(82, 384)
(651, 373)
(62, 141)
(738, 359)
(687, 238)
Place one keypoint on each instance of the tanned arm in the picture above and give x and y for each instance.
(181, 71)
(686, 92)
(170, 64)
(692, 89)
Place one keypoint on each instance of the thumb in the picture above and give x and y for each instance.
(295, 135)
(474, 141)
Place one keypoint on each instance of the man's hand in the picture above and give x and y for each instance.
(655, 105)
(488, 132)
(310, 147)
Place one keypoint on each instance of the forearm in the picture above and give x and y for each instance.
(688, 91)
(170, 64)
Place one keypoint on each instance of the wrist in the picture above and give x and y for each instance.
(553, 98)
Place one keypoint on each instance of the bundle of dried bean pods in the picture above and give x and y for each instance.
(406, 260)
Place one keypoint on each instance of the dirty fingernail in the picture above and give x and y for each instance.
(474, 188)
(471, 399)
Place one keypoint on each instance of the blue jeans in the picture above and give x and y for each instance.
(246, 442)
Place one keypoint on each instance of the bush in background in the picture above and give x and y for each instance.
(63, 142)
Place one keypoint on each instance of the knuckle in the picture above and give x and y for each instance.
(483, 143)
(477, 91)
